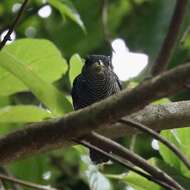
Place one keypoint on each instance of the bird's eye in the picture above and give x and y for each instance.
(100, 62)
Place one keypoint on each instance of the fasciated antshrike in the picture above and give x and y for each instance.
(96, 82)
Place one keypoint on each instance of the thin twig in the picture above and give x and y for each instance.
(125, 164)
(119, 150)
(5, 172)
(30, 13)
(155, 135)
(12, 27)
(25, 183)
(171, 38)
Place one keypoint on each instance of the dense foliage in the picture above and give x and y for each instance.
(36, 74)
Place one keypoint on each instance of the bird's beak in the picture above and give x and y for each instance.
(97, 67)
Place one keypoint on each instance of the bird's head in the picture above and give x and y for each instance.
(97, 64)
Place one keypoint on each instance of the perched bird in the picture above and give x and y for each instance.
(96, 82)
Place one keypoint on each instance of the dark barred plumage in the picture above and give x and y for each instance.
(96, 82)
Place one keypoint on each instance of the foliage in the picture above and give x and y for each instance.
(35, 64)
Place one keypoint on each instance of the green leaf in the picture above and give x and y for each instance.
(162, 101)
(6, 128)
(39, 56)
(36, 166)
(140, 183)
(45, 92)
(76, 65)
(23, 114)
(168, 156)
(180, 137)
(66, 8)
(136, 181)
(179, 177)
(4, 100)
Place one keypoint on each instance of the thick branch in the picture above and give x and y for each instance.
(157, 117)
(54, 133)
(171, 39)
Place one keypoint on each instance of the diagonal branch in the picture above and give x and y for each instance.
(15, 22)
(171, 115)
(56, 132)
(5, 172)
(25, 183)
(171, 38)
(126, 164)
(119, 150)
(155, 135)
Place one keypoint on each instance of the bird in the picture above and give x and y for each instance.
(96, 82)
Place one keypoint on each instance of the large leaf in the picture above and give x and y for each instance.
(140, 183)
(39, 56)
(136, 181)
(180, 137)
(76, 64)
(45, 92)
(168, 156)
(23, 114)
(66, 8)
(4, 100)
(31, 169)
(179, 177)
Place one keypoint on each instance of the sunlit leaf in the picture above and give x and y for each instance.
(4, 100)
(136, 181)
(162, 101)
(167, 155)
(39, 56)
(180, 137)
(23, 114)
(45, 92)
(75, 67)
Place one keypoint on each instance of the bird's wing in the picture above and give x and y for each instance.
(74, 92)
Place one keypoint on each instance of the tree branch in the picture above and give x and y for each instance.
(5, 172)
(56, 132)
(157, 117)
(119, 150)
(171, 39)
(116, 158)
(18, 17)
(155, 135)
(25, 183)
